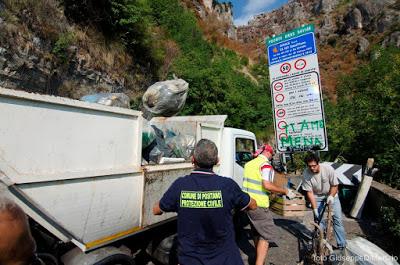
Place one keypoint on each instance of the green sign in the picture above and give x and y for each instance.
(201, 199)
(290, 34)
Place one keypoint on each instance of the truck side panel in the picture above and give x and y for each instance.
(157, 181)
(73, 166)
(45, 138)
(92, 210)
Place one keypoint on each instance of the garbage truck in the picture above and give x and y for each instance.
(76, 170)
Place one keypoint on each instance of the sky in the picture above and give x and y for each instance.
(243, 10)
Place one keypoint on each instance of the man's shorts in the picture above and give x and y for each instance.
(262, 223)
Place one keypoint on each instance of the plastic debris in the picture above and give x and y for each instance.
(165, 98)
(109, 99)
(148, 135)
(166, 145)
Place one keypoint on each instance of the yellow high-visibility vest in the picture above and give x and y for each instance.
(252, 181)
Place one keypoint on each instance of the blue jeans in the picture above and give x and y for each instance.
(338, 227)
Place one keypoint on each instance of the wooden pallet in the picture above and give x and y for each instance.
(286, 207)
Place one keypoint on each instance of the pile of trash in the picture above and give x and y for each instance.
(165, 145)
(162, 99)
(162, 145)
(165, 99)
(109, 99)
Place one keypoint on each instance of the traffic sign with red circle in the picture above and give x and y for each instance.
(282, 135)
(285, 68)
(280, 113)
(279, 98)
(300, 64)
(278, 86)
(282, 125)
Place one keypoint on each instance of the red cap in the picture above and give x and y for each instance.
(263, 147)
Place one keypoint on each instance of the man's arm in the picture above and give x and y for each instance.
(156, 209)
(273, 188)
(268, 173)
(311, 198)
(333, 190)
(331, 195)
(252, 205)
(334, 184)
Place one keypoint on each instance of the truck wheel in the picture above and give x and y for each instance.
(47, 258)
(116, 259)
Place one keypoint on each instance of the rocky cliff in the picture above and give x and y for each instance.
(345, 30)
(41, 51)
(333, 19)
(220, 14)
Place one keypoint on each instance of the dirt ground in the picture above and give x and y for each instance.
(289, 249)
(291, 232)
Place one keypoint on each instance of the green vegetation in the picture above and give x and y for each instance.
(164, 36)
(216, 86)
(365, 120)
(131, 22)
(391, 220)
(61, 45)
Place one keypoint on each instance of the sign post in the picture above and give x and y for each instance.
(296, 91)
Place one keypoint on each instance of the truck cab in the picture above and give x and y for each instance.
(237, 148)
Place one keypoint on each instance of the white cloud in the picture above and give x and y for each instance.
(253, 7)
(257, 6)
(240, 21)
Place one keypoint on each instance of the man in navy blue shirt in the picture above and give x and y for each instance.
(204, 202)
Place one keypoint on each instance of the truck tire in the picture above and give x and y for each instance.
(116, 259)
(47, 258)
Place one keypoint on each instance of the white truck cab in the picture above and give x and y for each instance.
(237, 147)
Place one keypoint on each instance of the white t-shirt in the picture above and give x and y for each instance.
(267, 171)
(320, 183)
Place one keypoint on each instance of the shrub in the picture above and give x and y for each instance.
(365, 121)
(60, 47)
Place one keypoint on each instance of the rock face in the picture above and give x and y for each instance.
(363, 45)
(289, 16)
(392, 40)
(29, 70)
(222, 12)
(325, 6)
(43, 58)
(332, 19)
(344, 30)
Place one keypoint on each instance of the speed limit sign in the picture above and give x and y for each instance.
(285, 68)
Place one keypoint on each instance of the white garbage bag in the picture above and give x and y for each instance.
(109, 99)
(165, 98)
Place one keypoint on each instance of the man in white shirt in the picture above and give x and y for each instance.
(321, 184)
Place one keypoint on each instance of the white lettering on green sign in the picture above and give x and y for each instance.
(290, 34)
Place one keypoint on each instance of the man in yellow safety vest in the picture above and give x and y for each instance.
(258, 183)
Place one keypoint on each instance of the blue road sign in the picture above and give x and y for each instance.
(291, 49)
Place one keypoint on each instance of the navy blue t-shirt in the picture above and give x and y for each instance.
(204, 203)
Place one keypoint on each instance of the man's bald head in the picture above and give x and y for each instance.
(16, 242)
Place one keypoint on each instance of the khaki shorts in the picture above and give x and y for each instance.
(262, 224)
